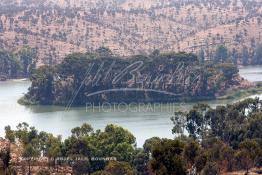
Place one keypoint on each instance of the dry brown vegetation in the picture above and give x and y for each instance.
(57, 28)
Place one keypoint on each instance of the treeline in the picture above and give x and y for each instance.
(224, 139)
(244, 56)
(182, 75)
(17, 64)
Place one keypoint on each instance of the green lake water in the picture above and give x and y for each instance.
(143, 121)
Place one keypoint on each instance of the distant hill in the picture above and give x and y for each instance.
(59, 27)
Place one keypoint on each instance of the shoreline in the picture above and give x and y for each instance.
(232, 94)
(16, 80)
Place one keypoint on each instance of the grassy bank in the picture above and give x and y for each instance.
(242, 93)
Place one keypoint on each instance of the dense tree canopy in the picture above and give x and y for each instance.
(80, 77)
(213, 141)
(17, 64)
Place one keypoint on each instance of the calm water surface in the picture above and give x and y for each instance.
(252, 73)
(143, 124)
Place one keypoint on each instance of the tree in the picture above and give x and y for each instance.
(28, 58)
(248, 153)
(1, 26)
(201, 161)
(81, 167)
(116, 168)
(5, 157)
(227, 154)
(201, 56)
(150, 144)
(168, 158)
(210, 169)
(53, 148)
(217, 120)
(258, 55)
(43, 172)
(104, 51)
(30, 153)
(82, 131)
(9, 65)
(114, 141)
(155, 53)
(194, 123)
(140, 162)
(191, 151)
(221, 54)
(118, 142)
(9, 134)
(234, 56)
(42, 80)
(245, 56)
(254, 129)
(22, 132)
(179, 121)
(229, 71)
(119, 168)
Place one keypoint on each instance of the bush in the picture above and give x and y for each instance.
(43, 172)
(210, 169)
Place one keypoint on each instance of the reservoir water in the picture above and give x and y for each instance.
(143, 121)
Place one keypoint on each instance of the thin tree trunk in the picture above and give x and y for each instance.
(29, 166)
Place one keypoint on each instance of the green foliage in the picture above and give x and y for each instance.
(30, 152)
(232, 123)
(254, 129)
(257, 59)
(9, 134)
(234, 56)
(191, 151)
(42, 85)
(81, 167)
(248, 154)
(201, 56)
(225, 138)
(150, 144)
(210, 169)
(16, 65)
(179, 121)
(43, 172)
(9, 65)
(194, 121)
(119, 168)
(114, 141)
(201, 161)
(140, 162)
(245, 56)
(221, 54)
(104, 51)
(167, 158)
(229, 71)
(27, 57)
(116, 168)
(80, 75)
(5, 156)
(82, 131)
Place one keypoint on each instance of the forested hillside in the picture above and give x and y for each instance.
(17, 64)
(101, 77)
(60, 27)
